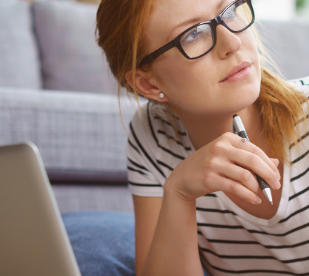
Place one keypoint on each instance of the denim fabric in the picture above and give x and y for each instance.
(103, 242)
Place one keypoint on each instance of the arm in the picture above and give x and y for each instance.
(147, 210)
(166, 233)
(167, 226)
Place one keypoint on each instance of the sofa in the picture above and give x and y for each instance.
(57, 91)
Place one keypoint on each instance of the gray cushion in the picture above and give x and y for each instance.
(19, 63)
(80, 135)
(72, 198)
(71, 60)
(288, 42)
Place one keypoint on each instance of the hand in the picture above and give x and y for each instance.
(222, 166)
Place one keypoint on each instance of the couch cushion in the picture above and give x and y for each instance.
(80, 135)
(71, 59)
(288, 43)
(19, 63)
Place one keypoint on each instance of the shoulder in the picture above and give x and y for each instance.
(150, 130)
(153, 123)
(301, 84)
(158, 137)
(145, 123)
(151, 153)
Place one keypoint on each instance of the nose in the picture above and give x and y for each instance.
(227, 42)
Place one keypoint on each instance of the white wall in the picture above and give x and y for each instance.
(274, 9)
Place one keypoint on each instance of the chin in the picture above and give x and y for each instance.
(245, 98)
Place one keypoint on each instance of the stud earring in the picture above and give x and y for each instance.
(161, 95)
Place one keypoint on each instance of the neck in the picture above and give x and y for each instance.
(205, 129)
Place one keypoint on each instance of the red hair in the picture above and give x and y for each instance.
(121, 36)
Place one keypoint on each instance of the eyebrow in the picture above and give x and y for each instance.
(196, 19)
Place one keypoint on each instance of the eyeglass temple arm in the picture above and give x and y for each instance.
(150, 58)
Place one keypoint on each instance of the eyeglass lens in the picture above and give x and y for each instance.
(199, 40)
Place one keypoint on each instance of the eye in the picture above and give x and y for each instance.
(197, 33)
(191, 35)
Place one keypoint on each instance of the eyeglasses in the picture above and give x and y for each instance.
(201, 38)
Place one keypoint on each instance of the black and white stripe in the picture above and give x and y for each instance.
(231, 242)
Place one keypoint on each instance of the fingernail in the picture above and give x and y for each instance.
(276, 184)
(257, 200)
(277, 161)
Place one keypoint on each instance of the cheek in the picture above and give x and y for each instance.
(250, 44)
(181, 77)
(170, 76)
(194, 85)
(186, 86)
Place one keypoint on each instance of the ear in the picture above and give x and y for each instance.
(145, 85)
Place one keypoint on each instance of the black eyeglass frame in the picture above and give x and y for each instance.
(213, 24)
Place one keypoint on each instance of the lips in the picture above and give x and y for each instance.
(236, 69)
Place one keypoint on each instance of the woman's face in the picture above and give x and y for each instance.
(197, 86)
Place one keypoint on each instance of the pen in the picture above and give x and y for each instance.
(239, 129)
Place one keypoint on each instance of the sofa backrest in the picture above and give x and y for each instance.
(54, 47)
(288, 44)
(71, 59)
(19, 58)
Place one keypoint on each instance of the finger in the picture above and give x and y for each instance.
(275, 161)
(257, 164)
(248, 146)
(233, 187)
(242, 176)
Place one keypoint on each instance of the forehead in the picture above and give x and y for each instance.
(168, 14)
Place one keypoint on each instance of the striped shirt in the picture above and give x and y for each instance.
(231, 241)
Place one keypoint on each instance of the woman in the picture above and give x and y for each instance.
(197, 202)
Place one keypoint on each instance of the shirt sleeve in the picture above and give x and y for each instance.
(144, 178)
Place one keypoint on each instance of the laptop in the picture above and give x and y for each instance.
(33, 239)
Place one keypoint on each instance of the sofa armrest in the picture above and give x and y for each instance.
(80, 135)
